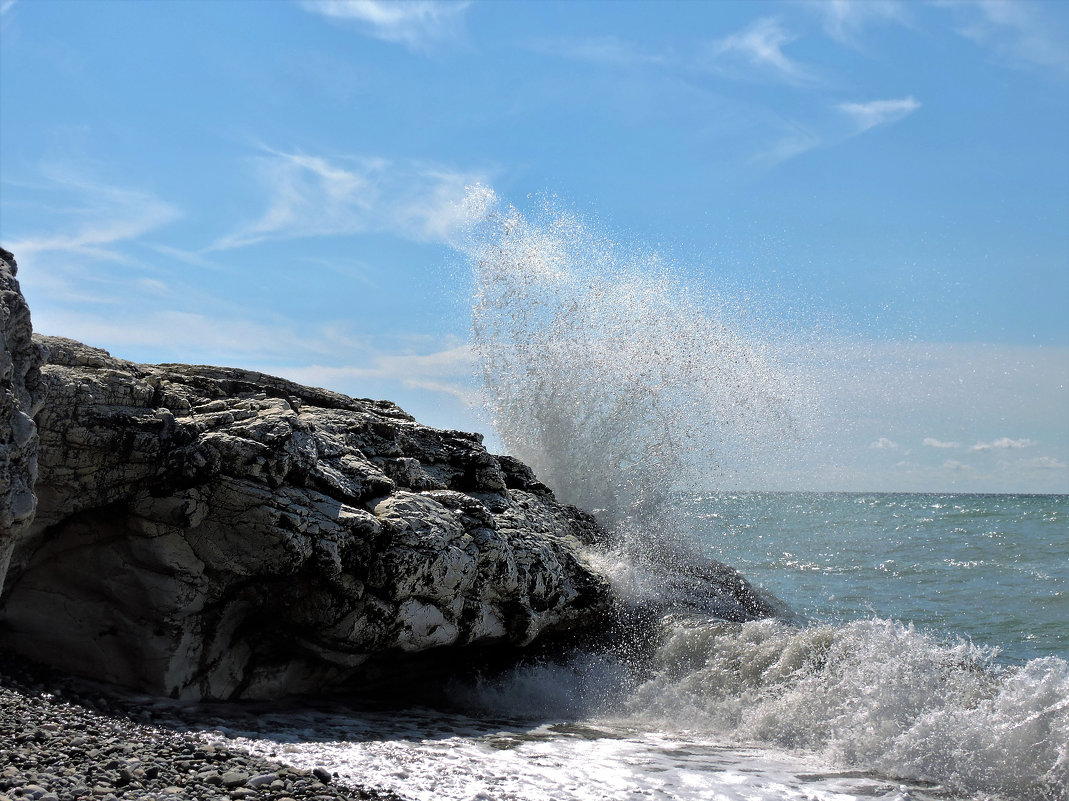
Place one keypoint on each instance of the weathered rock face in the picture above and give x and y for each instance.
(20, 399)
(212, 532)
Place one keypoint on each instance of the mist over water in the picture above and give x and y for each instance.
(616, 381)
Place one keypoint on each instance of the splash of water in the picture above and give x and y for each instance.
(874, 694)
(618, 383)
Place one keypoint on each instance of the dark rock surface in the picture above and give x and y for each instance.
(20, 399)
(206, 532)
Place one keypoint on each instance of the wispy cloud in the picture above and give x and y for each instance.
(954, 464)
(898, 393)
(757, 52)
(1003, 443)
(190, 336)
(603, 50)
(878, 112)
(794, 142)
(1020, 33)
(931, 442)
(316, 196)
(239, 336)
(846, 20)
(5, 6)
(447, 371)
(95, 217)
(798, 138)
(1045, 463)
(416, 24)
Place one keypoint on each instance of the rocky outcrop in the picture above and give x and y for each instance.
(213, 532)
(20, 399)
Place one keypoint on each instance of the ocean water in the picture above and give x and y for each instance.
(932, 665)
(990, 568)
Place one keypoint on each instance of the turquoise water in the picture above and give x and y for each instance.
(990, 568)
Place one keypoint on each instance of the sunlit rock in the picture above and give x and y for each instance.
(211, 532)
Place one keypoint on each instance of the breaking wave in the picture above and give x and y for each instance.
(873, 694)
(621, 386)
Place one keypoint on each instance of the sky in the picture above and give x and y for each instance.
(275, 185)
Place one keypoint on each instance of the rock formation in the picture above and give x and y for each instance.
(20, 399)
(208, 532)
(211, 532)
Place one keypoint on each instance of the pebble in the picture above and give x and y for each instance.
(234, 778)
(90, 747)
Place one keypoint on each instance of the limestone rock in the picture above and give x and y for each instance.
(20, 399)
(214, 532)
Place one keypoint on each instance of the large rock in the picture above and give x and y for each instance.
(20, 399)
(212, 532)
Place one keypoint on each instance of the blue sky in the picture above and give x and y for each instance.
(276, 185)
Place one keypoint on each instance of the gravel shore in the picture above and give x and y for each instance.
(64, 740)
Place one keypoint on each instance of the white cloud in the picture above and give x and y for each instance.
(845, 20)
(1044, 463)
(416, 24)
(903, 392)
(884, 444)
(1002, 443)
(879, 112)
(953, 464)
(1018, 32)
(314, 196)
(5, 6)
(96, 216)
(931, 442)
(760, 49)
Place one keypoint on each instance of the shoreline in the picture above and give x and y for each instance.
(64, 740)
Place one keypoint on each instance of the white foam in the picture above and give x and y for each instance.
(874, 694)
(872, 709)
(590, 762)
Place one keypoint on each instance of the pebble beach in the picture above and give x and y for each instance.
(64, 740)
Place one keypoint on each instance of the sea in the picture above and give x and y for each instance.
(928, 660)
(921, 652)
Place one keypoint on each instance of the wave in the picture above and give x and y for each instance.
(873, 694)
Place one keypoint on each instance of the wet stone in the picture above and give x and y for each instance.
(234, 778)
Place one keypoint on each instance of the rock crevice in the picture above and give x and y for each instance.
(20, 399)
